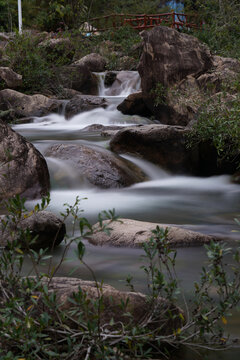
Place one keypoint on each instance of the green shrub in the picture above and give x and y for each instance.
(219, 123)
(26, 58)
(34, 325)
(221, 25)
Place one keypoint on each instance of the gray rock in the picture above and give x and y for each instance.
(78, 77)
(132, 233)
(101, 128)
(22, 105)
(134, 105)
(110, 77)
(23, 169)
(169, 56)
(81, 103)
(10, 79)
(163, 145)
(93, 61)
(46, 226)
(100, 166)
(136, 303)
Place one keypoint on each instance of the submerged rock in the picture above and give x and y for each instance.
(81, 103)
(102, 128)
(132, 233)
(23, 169)
(45, 226)
(98, 165)
(21, 105)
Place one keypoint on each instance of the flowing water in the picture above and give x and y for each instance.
(208, 205)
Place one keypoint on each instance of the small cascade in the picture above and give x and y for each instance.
(126, 83)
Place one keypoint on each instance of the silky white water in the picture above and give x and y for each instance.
(208, 205)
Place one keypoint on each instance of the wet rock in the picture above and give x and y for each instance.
(166, 146)
(23, 169)
(110, 77)
(236, 178)
(161, 144)
(78, 77)
(101, 128)
(136, 304)
(81, 103)
(21, 105)
(134, 105)
(45, 226)
(132, 233)
(9, 78)
(93, 61)
(99, 166)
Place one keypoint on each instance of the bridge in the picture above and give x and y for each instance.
(143, 21)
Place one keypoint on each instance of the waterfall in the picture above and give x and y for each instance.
(126, 83)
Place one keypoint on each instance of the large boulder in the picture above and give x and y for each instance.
(99, 166)
(93, 61)
(9, 78)
(163, 145)
(20, 105)
(169, 56)
(134, 105)
(168, 147)
(81, 103)
(23, 169)
(46, 231)
(78, 77)
(132, 233)
(116, 304)
(179, 74)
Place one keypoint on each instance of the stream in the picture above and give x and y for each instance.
(208, 205)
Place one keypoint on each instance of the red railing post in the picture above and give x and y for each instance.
(173, 20)
(143, 21)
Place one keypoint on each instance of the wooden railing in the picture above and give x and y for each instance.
(143, 21)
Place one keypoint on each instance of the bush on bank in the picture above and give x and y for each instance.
(35, 325)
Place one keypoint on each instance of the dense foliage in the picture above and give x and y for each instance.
(35, 324)
(68, 14)
(219, 123)
(221, 25)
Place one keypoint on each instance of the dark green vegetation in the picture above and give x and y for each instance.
(67, 14)
(219, 123)
(221, 25)
(36, 324)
